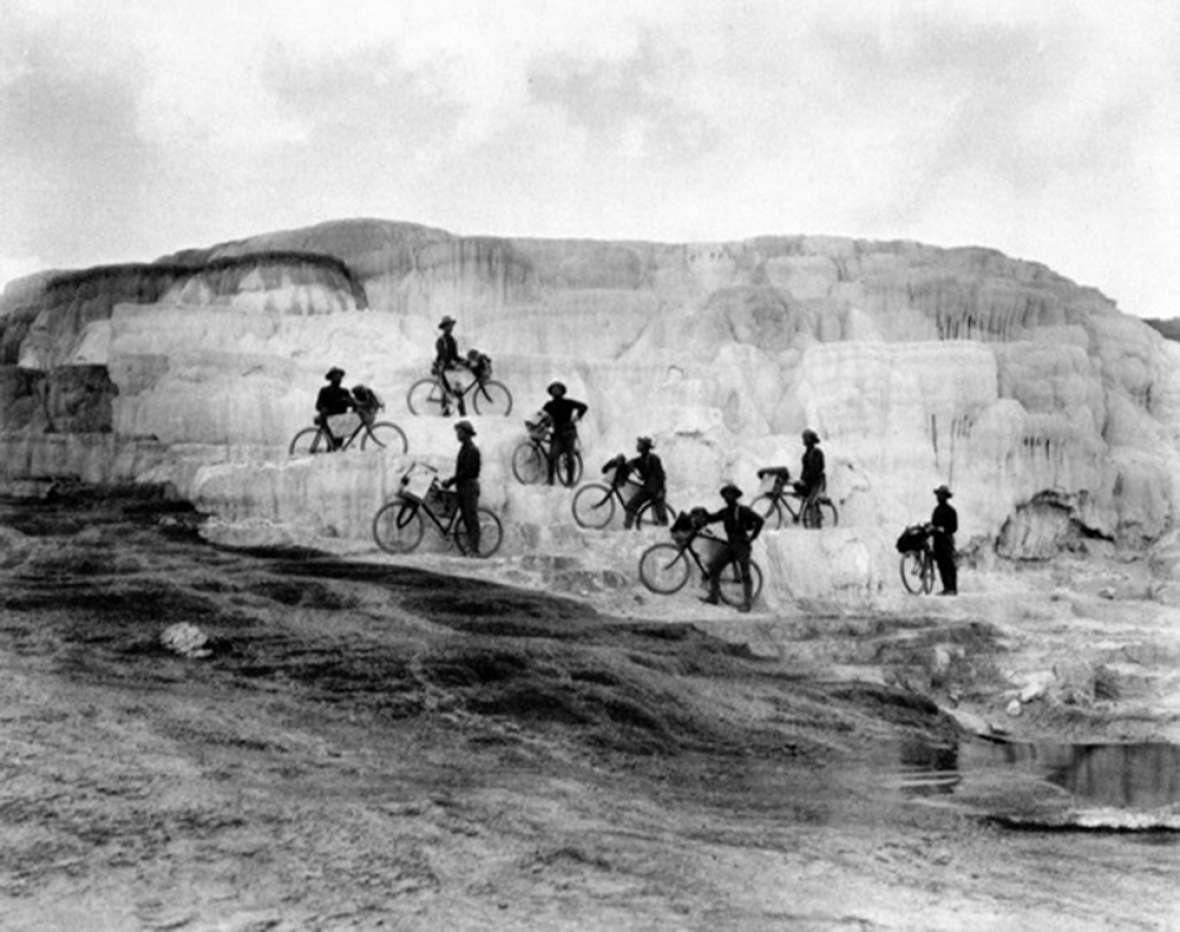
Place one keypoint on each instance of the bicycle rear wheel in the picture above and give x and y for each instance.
(663, 568)
(593, 506)
(491, 534)
(528, 463)
(491, 398)
(425, 397)
(732, 591)
(385, 435)
(309, 440)
(397, 526)
(821, 514)
(917, 572)
(767, 506)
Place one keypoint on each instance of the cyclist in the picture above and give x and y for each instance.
(447, 358)
(466, 482)
(946, 522)
(813, 482)
(564, 414)
(651, 475)
(333, 399)
(742, 527)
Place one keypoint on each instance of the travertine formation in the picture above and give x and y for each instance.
(1052, 415)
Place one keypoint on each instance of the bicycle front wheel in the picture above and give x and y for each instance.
(768, 508)
(917, 573)
(307, 441)
(732, 591)
(491, 534)
(663, 568)
(528, 463)
(569, 468)
(385, 435)
(425, 397)
(594, 506)
(491, 398)
(821, 514)
(397, 526)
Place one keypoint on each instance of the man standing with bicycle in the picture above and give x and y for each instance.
(446, 357)
(945, 522)
(813, 481)
(332, 400)
(653, 489)
(742, 527)
(564, 414)
(466, 483)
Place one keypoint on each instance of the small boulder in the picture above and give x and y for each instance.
(186, 640)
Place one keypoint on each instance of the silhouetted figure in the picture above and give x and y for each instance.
(447, 359)
(650, 470)
(742, 527)
(332, 400)
(813, 482)
(946, 522)
(564, 414)
(466, 482)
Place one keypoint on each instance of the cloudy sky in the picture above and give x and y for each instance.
(1048, 130)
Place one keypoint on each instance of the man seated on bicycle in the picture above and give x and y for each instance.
(742, 527)
(652, 483)
(447, 358)
(813, 482)
(333, 400)
(564, 414)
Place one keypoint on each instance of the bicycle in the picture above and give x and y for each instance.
(917, 559)
(531, 459)
(777, 499)
(399, 525)
(595, 503)
(430, 396)
(665, 568)
(374, 435)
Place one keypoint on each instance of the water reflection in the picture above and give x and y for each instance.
(1125, 776)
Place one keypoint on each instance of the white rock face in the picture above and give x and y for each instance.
(916, 366)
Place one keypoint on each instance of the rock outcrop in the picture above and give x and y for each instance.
(1050, 413)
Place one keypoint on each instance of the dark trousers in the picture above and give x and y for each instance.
(638, 500)
(467, 492)
(730, 553)
(944, 559)
(562, 442)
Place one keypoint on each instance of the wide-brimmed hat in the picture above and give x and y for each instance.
(556, 386)
(465, 425)
(334, 373)
(943, 490)
(446, 321)
(644, 442)
(730, 487)
(811, 435)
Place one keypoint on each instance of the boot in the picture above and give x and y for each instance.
(747, 593)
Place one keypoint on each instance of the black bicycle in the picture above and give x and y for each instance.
(430, 396)
(595, 504)
(374, 435)
(399, 525)
(917, 559)
(665, 568)
(776, 503)
(531, 459)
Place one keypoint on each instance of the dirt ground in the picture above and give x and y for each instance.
(373, 744)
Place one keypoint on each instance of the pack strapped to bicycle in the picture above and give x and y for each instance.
(538, 426)
(779, 475)
(416, 482)
(913, 538)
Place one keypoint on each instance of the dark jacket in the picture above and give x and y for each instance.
(467, 463)
(333, 399)
(446, 352)
(742, 524)
(651, 472)
(944, 516)
(813, 467)
(561, 413)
